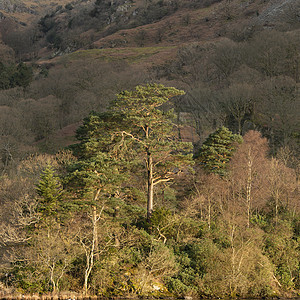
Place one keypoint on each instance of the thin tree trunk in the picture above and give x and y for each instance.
(239, 120)
(232, 284)
(276, 196)
(150, 186)
(94, 216)
(209, 212)
(90, 253)
(52, 278)
(249, 188)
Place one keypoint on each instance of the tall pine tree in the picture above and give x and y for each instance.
(153, 134)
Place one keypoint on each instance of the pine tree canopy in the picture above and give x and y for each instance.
(217, 150)
(50, 191)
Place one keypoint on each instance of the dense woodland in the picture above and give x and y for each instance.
(130, 172)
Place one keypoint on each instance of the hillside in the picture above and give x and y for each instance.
(105, 24)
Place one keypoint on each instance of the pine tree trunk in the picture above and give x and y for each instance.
(94, 221)
(150, 186)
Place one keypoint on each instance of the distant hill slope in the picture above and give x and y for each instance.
(19, 15)
(25, 11)
(53, 28)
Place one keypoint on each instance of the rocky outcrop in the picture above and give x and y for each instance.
(280, 10)
(15, 6)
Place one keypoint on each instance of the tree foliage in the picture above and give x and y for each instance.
(152, 133)
(49, 190)
(217, 150)
(12, 76)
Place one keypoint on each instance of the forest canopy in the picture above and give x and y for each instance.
(124, 210)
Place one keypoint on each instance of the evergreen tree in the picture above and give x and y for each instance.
(217, 150)
(97, 170)
(94, 179)
(49, 190)
(152, 133)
